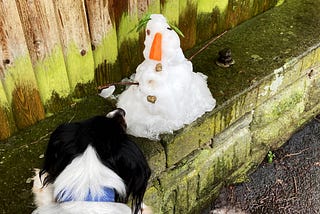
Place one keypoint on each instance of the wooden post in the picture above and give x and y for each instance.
(128, 42)
(42, 37)
(210, 18)
(74, 34)
(6, 125)
(6, 120)
(104, 41)
(188, 23)
(18, 77)
(148, 6)
(171, 10)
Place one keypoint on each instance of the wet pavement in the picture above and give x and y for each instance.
(289, 184)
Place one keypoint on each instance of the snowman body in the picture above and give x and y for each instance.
(169, 94)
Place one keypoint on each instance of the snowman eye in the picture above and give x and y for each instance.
(148, 32)
(169, 28)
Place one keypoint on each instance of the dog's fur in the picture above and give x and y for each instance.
(85, 160)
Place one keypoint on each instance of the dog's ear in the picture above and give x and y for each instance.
(119, 116)
(132, 166)
(65, 143)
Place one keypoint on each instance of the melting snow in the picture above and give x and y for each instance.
(169, 94)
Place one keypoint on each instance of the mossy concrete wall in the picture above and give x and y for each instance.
(278, 67)
(224, 145)
(271, 91)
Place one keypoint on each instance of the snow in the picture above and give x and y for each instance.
(107, 92)
(169, 95)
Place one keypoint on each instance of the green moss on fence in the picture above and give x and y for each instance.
(107, 49)
(205, 6)
(171, 10)
(128, 44)
(80, 65)
(22, 93)
(53, 81)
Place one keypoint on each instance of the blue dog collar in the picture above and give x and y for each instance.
(107, 196)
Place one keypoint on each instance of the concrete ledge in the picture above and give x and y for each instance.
(233, 152)
(224, 145)
(227, 143)
(272, 90)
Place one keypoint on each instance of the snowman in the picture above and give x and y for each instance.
(169, 94)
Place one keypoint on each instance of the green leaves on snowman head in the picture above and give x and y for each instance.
(176, 29)
(143, 22)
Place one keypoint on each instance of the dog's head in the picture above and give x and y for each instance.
(98, 146)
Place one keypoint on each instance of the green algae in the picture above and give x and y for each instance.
(107, 49)
(22, 93)
(171, 10)
(6, 127)
(205, 6)
(107, 72)
(127, 23)
(56, 103)
(79, 64)
(280, 2)
(20, 73)
(106, 59)
(153, 7)
(128, 45)
(52, 80)
(188, 23)
(3, 97)
(287, 104)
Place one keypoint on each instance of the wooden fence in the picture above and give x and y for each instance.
(53, 50)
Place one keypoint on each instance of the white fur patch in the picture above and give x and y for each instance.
(43, 195)
(84, 207)
(85, 173)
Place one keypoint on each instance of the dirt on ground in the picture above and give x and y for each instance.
(289, 184)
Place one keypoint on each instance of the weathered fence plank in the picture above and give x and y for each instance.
(74, 34)
(5, 129)
(42, 37)
(210, 18)
(128, 40)
(188, 23)
(148, 6)
(104, 41)
(171, 10)
(7, 125)
(19, 80)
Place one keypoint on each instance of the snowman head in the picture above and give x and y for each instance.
(162, 43)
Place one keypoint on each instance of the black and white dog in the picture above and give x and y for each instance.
(92, 167)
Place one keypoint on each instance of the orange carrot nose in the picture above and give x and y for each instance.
(156, 51)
